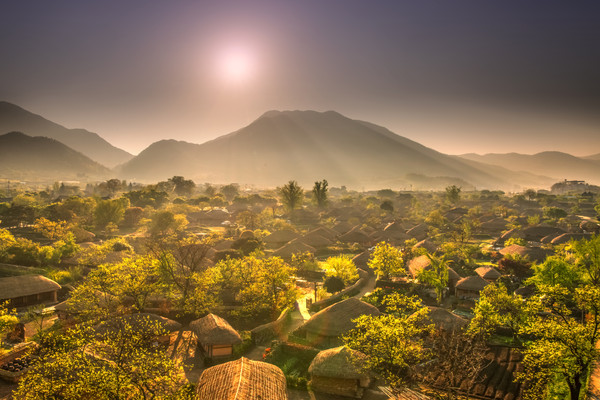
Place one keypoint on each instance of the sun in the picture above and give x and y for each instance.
(236, 65)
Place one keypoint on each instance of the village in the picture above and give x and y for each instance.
(181, 290)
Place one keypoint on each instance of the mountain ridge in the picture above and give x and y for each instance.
(16, 118)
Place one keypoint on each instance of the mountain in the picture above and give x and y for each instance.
(593, 157)
(15, 118)
(308, 146)
(550, 163)
(41, 159)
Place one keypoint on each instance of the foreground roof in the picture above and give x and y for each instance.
(337, 318)
(12, 287)
(242, 379)
(339, 362)
(213, 329)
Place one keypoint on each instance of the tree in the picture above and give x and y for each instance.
(333, 284)
(394, 344)
(182, 186)
(7, 319)
(110, 211)
(437, 276)
(387, 205)
(530, 194)
(495, 308)
(230, 191)
(291, 195)
(320, 193)
(564, 347)
(554, 271)
(453, 194)
(119, 364)
(341, 267)
(164, 223)
(554, 213)
(387, 260)
(587, 254)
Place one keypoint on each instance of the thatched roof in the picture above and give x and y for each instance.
(427, 245)
(453, 276)
(355, 235)
(213, 329)
(242, 379)
(488, 272)
(326, 232)
(315, 239)
(137, 321)
(418, 232)
(361, 260)
(493, 225)
(525, 291)
(292, 248)
(395, 235)
(337, 318)
(396, 226)
(247, 234)
(472, 283)
(281, 236)
(536, 233)
(342, 227)
(533, 253)
(339, 362)
(25, 285)
(567, 237)
(445, 320)
(417, 264)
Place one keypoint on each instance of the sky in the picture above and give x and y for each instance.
(458, 76)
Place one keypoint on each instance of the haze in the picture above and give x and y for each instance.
(460, 76)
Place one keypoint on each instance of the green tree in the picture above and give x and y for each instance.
(564, 348)
(587, 254)
(387, 260)
(182, 186)
(291, 195)
(8, 319)
(110, 211)
(165, 223)
(341, 267)
(118, 364)
(554, 271)
(437, 275)
(453, 194)
(319, 192)
(394, 344)
(554, 213)
(230, 191)
(387, 205)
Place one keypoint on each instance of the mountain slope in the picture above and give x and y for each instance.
(15, 118)
(42, 159)
(306, 146)
(550, 163)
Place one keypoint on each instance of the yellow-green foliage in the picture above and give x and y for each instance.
(387, 260)
(341, 267)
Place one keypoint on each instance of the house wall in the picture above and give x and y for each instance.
(39, 298)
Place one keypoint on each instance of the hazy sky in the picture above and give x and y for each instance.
(457, 76)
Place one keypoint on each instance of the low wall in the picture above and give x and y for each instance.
(272, 330)
(348, 292)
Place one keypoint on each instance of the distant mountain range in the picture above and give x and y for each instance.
(549, 163)
(15, 118)
(279, 146)
(308, 146)
(38, 159)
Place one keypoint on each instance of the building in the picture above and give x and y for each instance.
(28, 290)
(214, 336)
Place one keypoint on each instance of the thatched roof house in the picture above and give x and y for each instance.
(215, 336)
(567, 237)
(355, 235)
(453, 278)
(294, 247)
(325, 327)
(27, 290)
(280, 237)
(362, 260)
(536, 233)
(446, 321)
(470, 287)
(242, 379)
(531, 253)
(315, 239)
(342, 227)
(418, 232)
(337, 371)
(493, 226)
(418, 264)
(395, 226)
(488, 273)
(392, 236)
(427, 245)
(326, 232)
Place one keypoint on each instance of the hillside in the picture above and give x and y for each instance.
(549, 163)
(40, 159)
(307, 146)
(15, 118)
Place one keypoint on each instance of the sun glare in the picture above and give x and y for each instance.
(236, 65)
